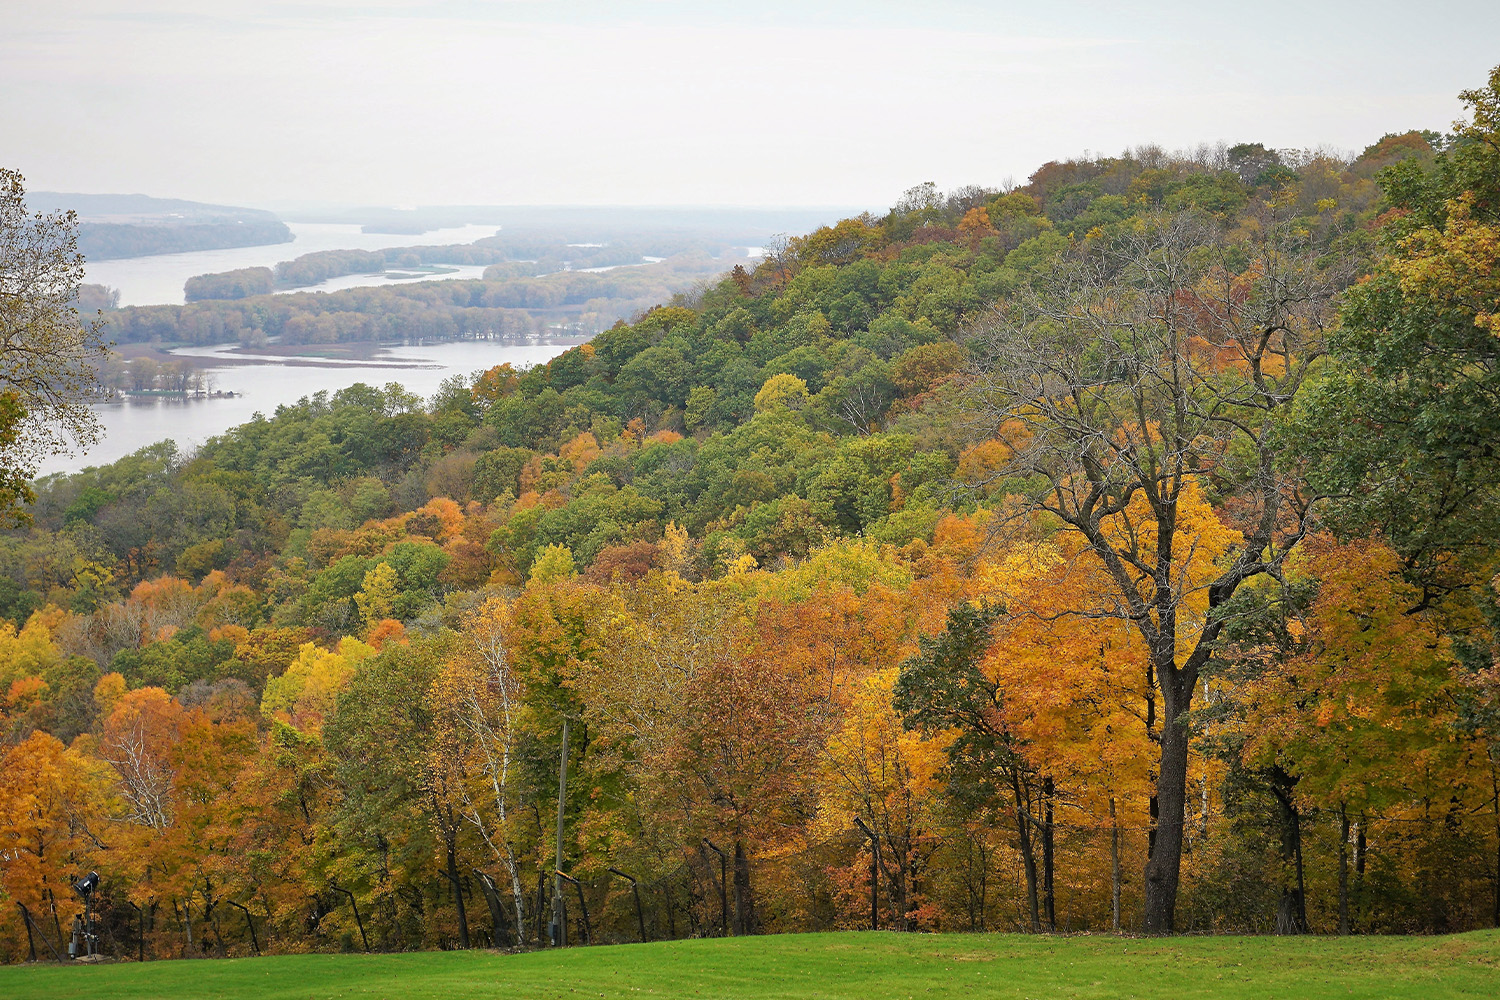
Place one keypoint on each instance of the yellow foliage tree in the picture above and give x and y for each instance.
(781, 392)
(377, 596)
(890, 777)
(51, 813)
(307, 692)
(554, 564)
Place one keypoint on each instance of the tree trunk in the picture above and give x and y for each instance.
(541, 908)
(518, 896)
(899, 879)
(458, 895)
(1164, 866)
(1028, 859)
(984, 885)
(1495, 787)
(1204, 793)
(1153, 807)
(1291, 912)
(1343, 871)
(1114, 865)
(499, 933)
(744, 902)
(1049, 895)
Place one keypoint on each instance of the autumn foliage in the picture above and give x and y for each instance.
(951, 563)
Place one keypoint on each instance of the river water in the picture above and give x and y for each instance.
(264, 383)
(158, 280)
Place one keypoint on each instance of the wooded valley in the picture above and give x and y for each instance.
(1115, 551)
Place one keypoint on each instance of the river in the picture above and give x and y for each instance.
(262, 383)
(158, 280)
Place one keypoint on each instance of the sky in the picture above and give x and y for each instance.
(659, 102)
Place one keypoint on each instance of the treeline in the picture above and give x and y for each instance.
(548, 252)
(522, 256)
(96, 298)
(145, 375)
(237, 284)
(501, 307)
(315, 268)
(1027, 551)
(108, 240)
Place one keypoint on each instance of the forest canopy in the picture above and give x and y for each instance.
(989, 556)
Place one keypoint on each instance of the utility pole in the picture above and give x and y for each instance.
(559, 905)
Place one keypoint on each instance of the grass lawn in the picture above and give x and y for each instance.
(858, 966)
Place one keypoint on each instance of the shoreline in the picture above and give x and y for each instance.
(304, 355)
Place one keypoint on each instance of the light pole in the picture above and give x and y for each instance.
(86, 887)
(583, 904)
(639, 915)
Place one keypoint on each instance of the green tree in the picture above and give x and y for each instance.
(15, 485)
(397, 812)
(943, 689)
(1403, 428)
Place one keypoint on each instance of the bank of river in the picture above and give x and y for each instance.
(158, 280)
(448, 272)
(261, 383)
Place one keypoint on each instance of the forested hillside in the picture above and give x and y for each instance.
(1112, 551)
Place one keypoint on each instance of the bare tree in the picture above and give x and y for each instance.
(146, 779)
(781, 257)
(1137, 367)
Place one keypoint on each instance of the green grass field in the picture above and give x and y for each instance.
(855, 966)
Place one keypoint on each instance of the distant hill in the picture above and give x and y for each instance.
(136, 225)
(586, 222)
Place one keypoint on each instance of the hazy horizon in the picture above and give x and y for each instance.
(292, 210)
(526, 102)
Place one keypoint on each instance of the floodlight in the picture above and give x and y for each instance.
(87, 884)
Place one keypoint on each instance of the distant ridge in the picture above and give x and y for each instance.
(112, 207)
(137, 225)
(592, 221)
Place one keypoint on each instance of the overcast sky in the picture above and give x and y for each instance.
(661, 102)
